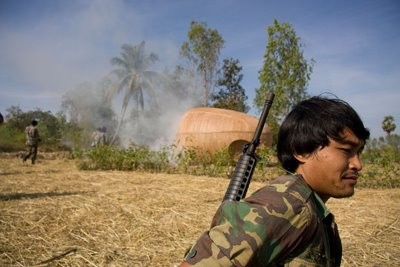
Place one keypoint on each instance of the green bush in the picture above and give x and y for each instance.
(11, 139)
(113, 158)
(381, 167)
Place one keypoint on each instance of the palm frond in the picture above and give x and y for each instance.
(120, 73)
(119, 62)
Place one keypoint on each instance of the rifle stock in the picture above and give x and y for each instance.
(244, 169)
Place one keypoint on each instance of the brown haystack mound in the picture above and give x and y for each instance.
(211, 129)
(52, 214)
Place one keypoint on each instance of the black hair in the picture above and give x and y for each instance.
(34, 122)
(309, 125)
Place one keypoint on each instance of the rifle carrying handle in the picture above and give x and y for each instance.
(243, 173)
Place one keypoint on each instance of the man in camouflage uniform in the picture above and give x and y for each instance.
(96, 136)
(99, 137)
(32, 141)
(287, 223)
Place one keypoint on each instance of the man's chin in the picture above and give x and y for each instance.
(344, 192)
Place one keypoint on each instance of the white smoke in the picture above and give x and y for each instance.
(156, 126)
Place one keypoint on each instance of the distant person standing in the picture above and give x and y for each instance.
(104, 137)
(32, 141)
(99, 137)
(96, 135)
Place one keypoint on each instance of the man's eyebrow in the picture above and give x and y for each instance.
(352, 143)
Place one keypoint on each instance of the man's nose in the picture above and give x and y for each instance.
(355, 162)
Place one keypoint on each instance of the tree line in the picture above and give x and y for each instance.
(201, 79)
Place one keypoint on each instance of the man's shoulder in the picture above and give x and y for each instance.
(291, 187)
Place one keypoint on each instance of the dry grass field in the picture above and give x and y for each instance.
(52, 214)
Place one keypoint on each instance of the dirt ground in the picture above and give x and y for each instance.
(52, 214)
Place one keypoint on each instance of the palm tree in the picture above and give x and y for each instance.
(388, 124)
(133, 77)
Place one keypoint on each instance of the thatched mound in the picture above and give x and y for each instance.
(211, 129)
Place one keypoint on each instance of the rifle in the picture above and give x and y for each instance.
(241, 177)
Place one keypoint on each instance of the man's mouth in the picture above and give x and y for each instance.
(351, 176)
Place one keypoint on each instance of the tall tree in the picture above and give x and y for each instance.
(133, 77)
(231, 94)
(16, 118)
(202, 52)
(285, 72)
(388, 124)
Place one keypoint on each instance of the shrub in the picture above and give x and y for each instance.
(381, 167)
(11, 139)
(112, 158)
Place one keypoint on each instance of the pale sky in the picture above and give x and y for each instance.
(50, 46)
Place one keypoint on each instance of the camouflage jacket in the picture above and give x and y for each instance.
(32, 135)
(99, 138)
(282, 224)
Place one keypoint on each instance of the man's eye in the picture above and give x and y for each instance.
(346, 150)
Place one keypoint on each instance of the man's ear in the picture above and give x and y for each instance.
(301, 158)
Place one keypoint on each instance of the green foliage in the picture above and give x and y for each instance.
(202, 51)
(187, 161)
(393, 140)
(112, 158)
(285, 72)
(381, 160)
(211, 164)
(165, 160)
(16, 118)
(73, 137)
(231, 94)
(378, 176)
(11, 139)
(375, 146)
(388, 124)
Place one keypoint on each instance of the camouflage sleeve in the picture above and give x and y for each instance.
(30, 135)
(254, 233)
(36, 134)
